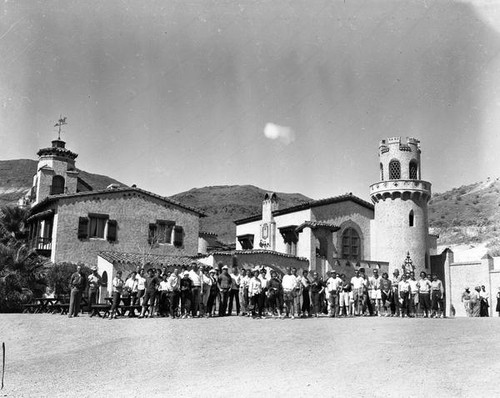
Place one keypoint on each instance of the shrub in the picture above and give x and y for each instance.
(58, 276)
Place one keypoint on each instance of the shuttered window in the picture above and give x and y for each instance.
(83, 228)
(178, 236)
(112, 230)
(152, 234)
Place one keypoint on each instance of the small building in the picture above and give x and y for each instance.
(71, 222)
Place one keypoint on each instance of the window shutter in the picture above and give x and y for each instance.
(83, 228)
(178, 236)
(152, 234)
(112, 229)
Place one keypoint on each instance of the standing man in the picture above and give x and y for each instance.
(234, 293)
(77, 284)
(344, 297)
(437, 292)
(316, 291)
(243, 293)
(374, 291)
(174, 288)
(306, 300)
(141, 287)
(264, 281)
(297, 293)
(395, 293)
(289, 283)
(195, 277)
(333, 287)
(413, 301)
(358, 286)
(224, 284)
(94, 281)
(424, 294)
(151, 286)
(404, 295)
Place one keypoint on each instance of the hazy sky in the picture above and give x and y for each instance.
(172, 95)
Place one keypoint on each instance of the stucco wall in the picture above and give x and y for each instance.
(133, 213)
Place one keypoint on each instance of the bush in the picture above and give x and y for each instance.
(58, 276)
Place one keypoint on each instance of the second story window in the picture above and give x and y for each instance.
(161, 232)
(394, 170)
(97, 225)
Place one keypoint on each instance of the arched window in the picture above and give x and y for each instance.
(57, 185)
(104, 278)
(413, 170)
(394, 170)
(381, 172)
(350, 244)
(411, 219)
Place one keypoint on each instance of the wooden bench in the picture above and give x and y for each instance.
(30, 308)
(98, 308)
(131, 309)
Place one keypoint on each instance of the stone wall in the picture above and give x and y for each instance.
(133, 213)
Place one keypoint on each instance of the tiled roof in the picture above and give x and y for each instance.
(54, 198)
(250, 252)
(317, 225)
(308, 205)
(207, 233)
(147, 259)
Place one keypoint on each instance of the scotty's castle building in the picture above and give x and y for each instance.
(346, 232)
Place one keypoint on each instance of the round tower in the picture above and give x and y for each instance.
(401, 226)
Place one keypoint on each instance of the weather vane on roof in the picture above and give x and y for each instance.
(61, 122)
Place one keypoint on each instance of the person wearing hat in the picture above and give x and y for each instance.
(214, 292)
(224, 284)
(94, 282)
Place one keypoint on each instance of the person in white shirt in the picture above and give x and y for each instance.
(358, 286)
(297, 300)
(404, 295)
(194, 275)
(164, 306)
(413, 299)
(174, 287)
(254, 293)
(206, 286)
(333, 287)
(141, 285)
(424, 294)
(289, 283)
(265, 281)
(243, 293)
(374, 292)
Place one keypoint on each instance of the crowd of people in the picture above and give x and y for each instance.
(477, 301)
(194, 291)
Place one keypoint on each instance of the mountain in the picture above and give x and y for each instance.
(224, 204)
(16, 178)
(468, 216)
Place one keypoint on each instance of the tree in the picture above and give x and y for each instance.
(13, 223)
(58, 276)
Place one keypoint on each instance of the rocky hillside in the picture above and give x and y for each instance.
(16, 177)
(224, 204)
(469, 215)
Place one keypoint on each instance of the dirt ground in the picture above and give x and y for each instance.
(51, 355)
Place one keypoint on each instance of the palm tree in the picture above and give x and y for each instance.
(13, 223)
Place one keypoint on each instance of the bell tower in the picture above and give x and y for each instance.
(56, 172)
(401, 226)
(268, 226)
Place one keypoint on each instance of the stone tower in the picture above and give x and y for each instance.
(401, 226)
(56, 173)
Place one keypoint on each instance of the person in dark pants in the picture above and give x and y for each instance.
(195, 276)
(117, 291)
(94, 282)
(234, 293)
(214, 292)
(224, 283)
(306, 286)
(317, 289)
(186, 287)
(77, 283)
(174, 286)
(151, 284)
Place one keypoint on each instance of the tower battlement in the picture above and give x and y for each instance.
(409, 145)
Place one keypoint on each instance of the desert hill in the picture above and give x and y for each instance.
(16, 178)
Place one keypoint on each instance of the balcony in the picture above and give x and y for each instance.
(42, 246)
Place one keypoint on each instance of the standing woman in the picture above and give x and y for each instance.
(386, 292)
(485, 298)
(255, 294)
(117, 291)
(317, 289)
(206, 287)
(475, 302)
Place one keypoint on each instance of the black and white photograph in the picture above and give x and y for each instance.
(262, 198)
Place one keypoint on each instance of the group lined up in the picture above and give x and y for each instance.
(261, 292)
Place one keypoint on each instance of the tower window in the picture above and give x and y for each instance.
(411, 219)
(413, 170)
(381, 172)
(57, 185)
(350, 244)
(394, 170)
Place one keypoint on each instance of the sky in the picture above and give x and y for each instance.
(290, 96)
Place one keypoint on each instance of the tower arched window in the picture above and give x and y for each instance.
(381, 172)
(411, 218)
(413, 170)
(351, 244)
(394, 170)
(57, 185)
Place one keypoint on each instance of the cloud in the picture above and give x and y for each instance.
(277, 132)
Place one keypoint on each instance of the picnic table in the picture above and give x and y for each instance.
(124, 306)
(40, 305)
